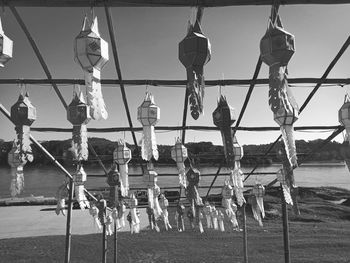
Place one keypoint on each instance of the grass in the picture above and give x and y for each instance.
(320, 234)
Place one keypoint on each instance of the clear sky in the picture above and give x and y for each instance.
(147, 40)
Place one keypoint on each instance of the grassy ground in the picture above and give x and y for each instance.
(320, 234)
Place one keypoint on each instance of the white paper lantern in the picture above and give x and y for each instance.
(148, 113)
(6, 47)
(179, 152)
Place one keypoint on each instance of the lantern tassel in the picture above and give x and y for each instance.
(289, 142)
(23, 133)
(80, 196)
(285, 188)
(257, 213)
(135, 220)
(236, 180)
(80, 142)
(95, 98)
(195, 88)
(206, 211)
(179, 217)
(94, 213)
(124, 179)
(182, 174)
(17, 181)
(221, 221)
(61, 194)
(149, 144)
(214, 217)
(109, 221)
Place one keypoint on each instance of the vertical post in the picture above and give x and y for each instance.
(285, 229)
(104, 244)
(245, 237)
(69, 219)
(115, 243)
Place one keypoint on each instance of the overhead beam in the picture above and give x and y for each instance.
(177, 83)
(159, 3)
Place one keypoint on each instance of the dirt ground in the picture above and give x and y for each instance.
(320, 234)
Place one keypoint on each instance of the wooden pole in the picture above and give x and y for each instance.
(104, 244)
(69, 220)
(285, 229)
(115, 243)
(245, 235)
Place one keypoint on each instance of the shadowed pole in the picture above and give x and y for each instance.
(104, 244)
(285, 229)
(69, 219)
(115, 243)
(245, 236)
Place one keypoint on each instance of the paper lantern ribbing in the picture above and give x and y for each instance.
(148, 114)
(224, 117)
(276, 49)
(179, 155)
(194, 53)
(257, 202)
(79, 178)
(91, 53)
(6, 47)
(122, 156)
(78, 115)
(23, 114)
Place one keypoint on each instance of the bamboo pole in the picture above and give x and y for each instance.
(285, 229)
(69, 220)
(104, 244)
(245, 235)
(115, 243)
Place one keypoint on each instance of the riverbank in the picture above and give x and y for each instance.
(320, 234)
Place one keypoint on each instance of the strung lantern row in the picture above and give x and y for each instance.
(23, 114)
(91, 53)
(276, 49)
(194, 53)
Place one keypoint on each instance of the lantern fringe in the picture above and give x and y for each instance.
(61, 195)
(236, 180)
(95, 98)
(80, 143)
(149, 147)
(258, 214)
(165, 214)
(80, 196)
(124, 180)
(135, 221)
(214, 217)
(94, 213)
(200, 225)
(182, 174)
(195, 88)
(207, 213)
(289, 143)
(221, 221)
(285, 188)
(179, 218)
(109, 221)
(17, 181)
(23, 142)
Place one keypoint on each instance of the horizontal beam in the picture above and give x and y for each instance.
(160, 3)
(150, 82)
(175, 128)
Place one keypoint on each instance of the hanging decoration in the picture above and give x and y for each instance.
(214, 217)
(61, 195)
(94, 211)
(148, 114)
(135, 220)
(118, 213)
(276, 49)
(281, 178)
(237, 176)
(79, 178)
(6, 47)
(23, 114)
(101, 204)
(179, 217)
(207, 213)
(164, 203)
(193, 177)
(91, 53)
(109, 221)
(194, 53)
(113, 182)
(153, 190)
(228, 204)
(221, 220)
(344, 119)
(223, 118)
(122, 156)
(257, 202)
(78, 115)
(179, 155)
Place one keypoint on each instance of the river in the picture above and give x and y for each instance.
(44, 181)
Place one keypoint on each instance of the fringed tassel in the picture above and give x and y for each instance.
(221, 221)
(17, 181)
(149, 147)
(207, 213)
(214, 217)
(179, 217)
(289, 142)
(124, 179)
(195, 88)
(109, 229)
(256, 209)
(61, 195)
(281, 177)
(200, 225)
(236, 179)
(156, 207)
(80, 142)
(23, 140)
(94, 211)
(79, 178)
(182, 174)
(95, 98)
(135, 221)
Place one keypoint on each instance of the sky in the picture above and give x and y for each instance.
(147, 41)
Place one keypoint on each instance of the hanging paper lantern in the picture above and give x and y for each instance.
(113, 182)
(192, 194)
(78, 115)
(179, 155)
(153, 190)
(6, 47)
(224, 117)
(135, 221)
(79, 179)
(276, 49)
(164, 203)
(257, 202)
(148, 114)
(122, 156)
(194, 53)
(16, 163)
(91, 53)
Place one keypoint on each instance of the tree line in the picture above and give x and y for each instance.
(199, 152)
